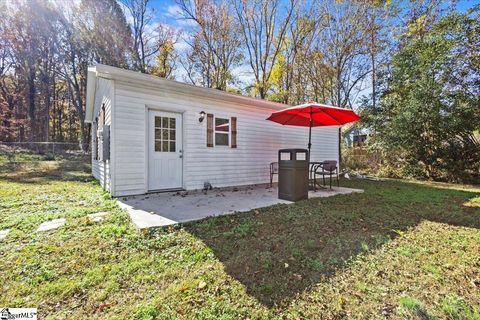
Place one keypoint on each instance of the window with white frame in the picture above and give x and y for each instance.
(222, 132)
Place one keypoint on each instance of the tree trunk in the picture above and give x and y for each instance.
(261, 92)
(31, 103)
(372, 57)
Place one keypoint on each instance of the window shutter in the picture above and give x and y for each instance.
(209, 130)
(234, 131)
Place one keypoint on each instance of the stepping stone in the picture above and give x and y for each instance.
(51, 225)
(3, 233)
(97, 217)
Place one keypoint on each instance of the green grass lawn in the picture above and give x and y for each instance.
(399, 250)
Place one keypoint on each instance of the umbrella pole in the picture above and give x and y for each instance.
(310, 135)
(309, 140)
(309, 147)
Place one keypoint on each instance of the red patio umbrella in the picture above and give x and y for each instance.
(313, 115)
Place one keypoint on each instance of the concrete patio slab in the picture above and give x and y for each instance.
(162, 209)
(51, 225)
(4, 233)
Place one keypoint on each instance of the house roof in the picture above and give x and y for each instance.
(108, 72)
(355, 126)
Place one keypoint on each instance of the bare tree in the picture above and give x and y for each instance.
(289, 77)
(30, 34)
(215, 46)
(264, 27)
(343, 47)
(379, 40)
(167, 56)
(11, 115)
(144, 46)
(319, 76)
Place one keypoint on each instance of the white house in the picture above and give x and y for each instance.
(152, 134)
(354, 135)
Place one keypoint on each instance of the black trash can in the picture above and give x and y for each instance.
(293, 174)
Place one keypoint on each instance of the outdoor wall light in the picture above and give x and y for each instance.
(201, 116)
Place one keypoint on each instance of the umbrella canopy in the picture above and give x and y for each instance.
(319, 114)
(313, 115)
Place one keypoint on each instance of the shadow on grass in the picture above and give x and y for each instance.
(42, 171)
(279, 251)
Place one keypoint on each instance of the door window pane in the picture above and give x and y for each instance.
(164, 134)
(172, 146)
(165, 146)
(158, 145)
(164, 122)
(158, 122)
(172, 123)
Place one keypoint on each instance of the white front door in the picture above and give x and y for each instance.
(164, 150)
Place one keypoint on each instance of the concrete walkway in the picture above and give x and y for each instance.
(162, 209)
(4, 233)
(57, 223)
(51, 225)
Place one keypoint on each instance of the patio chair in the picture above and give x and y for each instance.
(273, 170)
(328, 167)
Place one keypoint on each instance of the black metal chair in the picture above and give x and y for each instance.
(273, 170)
(313, 166)
(327, 168)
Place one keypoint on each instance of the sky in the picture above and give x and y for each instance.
(167, 12)
(166, 9)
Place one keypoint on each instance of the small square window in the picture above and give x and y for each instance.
(222, 132)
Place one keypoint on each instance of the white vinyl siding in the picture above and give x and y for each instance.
(103, 96)
(258, 140)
